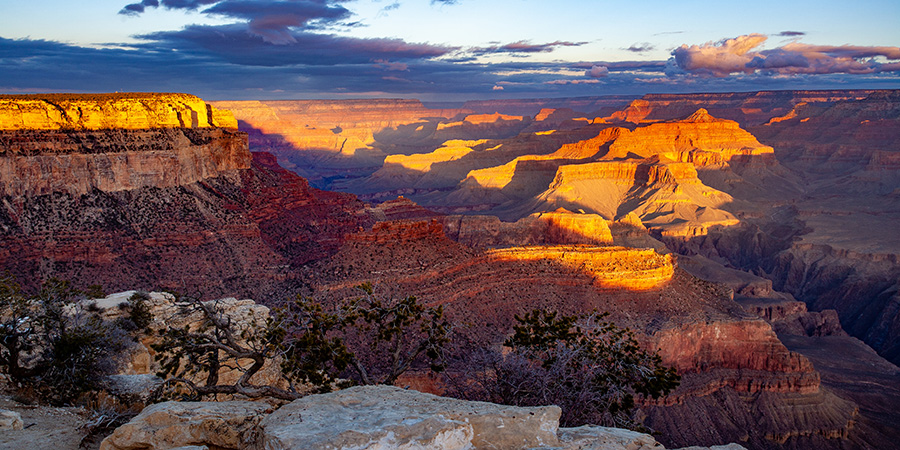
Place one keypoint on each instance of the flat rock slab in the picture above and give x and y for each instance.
(386, 417)
(593, 437)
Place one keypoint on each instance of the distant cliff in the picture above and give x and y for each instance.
(129, 111)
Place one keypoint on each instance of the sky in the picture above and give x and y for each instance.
(445, 50)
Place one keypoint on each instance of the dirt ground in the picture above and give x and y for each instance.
(47, 427)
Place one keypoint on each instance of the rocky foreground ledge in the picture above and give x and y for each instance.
(367, 417)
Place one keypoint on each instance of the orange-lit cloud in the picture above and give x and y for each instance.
(730, 56)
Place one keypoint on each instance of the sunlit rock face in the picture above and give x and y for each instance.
(726, 356)
(39, 162)
(336, 134)
(128, 111)
(170, 207)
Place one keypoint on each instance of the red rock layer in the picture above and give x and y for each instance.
(38, 162)
(721, 352)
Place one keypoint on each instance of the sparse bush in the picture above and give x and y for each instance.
(139, 310)
(54, 352)
(589, 367)
(367, 340)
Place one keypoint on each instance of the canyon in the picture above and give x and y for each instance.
(722, 228)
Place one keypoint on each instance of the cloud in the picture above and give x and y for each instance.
(391, 66)
(572, 81)
(640, 48)
(738, 55)
(136, 8)
(524, 47)
(792, 33)
(597, 72)
(274, 21)
(497, 88)
(232, 43)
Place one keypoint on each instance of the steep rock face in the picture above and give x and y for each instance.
(559, 227)
(175, 208)
(862, 288)
(76, 162)
(129, 111)
(747, 108)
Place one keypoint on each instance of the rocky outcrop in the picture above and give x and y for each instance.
(247, 320)
(225, 425)
(699, 138)
(10, 420)
(610, 267)
(369, 417)
(790, 317)
(125, 111)
(391, 417)
(559, 227)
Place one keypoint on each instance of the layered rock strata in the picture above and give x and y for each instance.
(125, 111)
(725, 355)
(179, 208)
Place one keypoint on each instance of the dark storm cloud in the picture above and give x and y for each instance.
(136, 8)
(640, 48)
(623, 66)
(274, 21)
(524, 47)
(233, 44)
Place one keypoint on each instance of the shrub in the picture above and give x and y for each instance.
(47, 345)
(589, 367)
(367, 340)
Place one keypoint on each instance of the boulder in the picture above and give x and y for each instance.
(592, 437)
(10, 420)
(168, 425)
(387, 417)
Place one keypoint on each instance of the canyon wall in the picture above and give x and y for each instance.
(175, 207)
(128, 111)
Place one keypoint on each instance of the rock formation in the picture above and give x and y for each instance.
(125, 111)
(369, 417)
(336, 134)
(166, 207)
(723, 353)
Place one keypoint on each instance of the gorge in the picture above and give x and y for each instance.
(723, 228)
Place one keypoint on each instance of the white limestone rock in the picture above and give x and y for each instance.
(592, 437)
(386, 417)
(10, 420)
